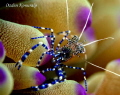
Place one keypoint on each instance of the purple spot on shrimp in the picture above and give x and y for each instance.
(79, 90)
(3, 76)
(81, 17)
(39, 78)
(89, 33)
(2, 50)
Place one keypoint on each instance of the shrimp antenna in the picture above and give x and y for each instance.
(97, 41)
(67, 14)
(103, 68)
(86, 22)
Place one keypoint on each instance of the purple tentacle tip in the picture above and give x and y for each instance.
(81, 18)
(48, 38)
(47, 58)
(89, 32)
(39, 78)
(80, 90)
(118, 61)
(3, 76)
(2, 50)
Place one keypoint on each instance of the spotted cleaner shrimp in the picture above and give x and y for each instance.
(60, 54)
